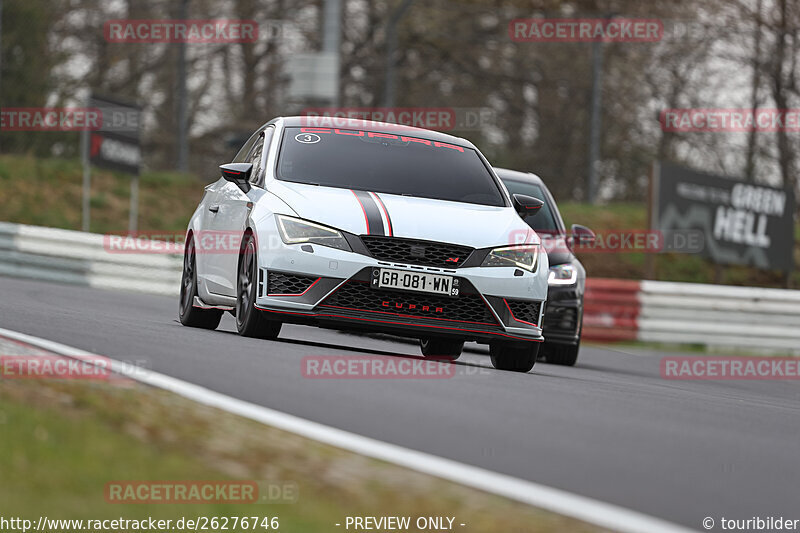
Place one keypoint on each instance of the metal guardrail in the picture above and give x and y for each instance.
(615, 310)
(720, 315)
(79, 258)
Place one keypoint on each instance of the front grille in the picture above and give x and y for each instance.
(355, 295)
(525, 310)
(560, 319)
(416, 252)
(281, 283)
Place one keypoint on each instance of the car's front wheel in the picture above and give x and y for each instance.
(250, 322)
(441, 348)
(516, 357)
(189, 314)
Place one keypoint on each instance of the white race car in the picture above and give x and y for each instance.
(372, 227)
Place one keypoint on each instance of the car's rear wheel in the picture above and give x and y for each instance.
(250, 322)
(434, 347)
(516, 357)
(562, 354)
(189, 314)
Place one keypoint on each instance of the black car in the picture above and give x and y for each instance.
(567, 280)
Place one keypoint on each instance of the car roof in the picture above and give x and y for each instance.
(508, 174)
(371, 125)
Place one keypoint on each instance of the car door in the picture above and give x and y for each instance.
(229, 210)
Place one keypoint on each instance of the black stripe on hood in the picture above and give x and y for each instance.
(372, 213)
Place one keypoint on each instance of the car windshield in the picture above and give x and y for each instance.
(388, 163)
(543, 220)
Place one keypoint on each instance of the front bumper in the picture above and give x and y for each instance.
(563, 315)
(312, 284)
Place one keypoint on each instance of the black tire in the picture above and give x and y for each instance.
(250, 322)
(515, 357)
(189, 315)
(562, 354)
(438, 348)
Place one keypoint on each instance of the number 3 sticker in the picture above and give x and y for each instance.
(307, 138)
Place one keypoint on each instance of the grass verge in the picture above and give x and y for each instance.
(63, 441)
(47, 192)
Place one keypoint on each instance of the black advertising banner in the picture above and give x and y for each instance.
(743, 223)
(115, 144)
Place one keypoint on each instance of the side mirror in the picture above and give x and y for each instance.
(526, 205)
(582, 236)
(238, 174)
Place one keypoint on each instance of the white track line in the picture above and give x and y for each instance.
(555, 500)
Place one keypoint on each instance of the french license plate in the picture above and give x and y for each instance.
(387, 278)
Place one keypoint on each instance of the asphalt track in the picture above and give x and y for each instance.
(610, 428)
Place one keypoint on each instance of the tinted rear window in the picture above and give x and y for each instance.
(543, 220)
(386, 162)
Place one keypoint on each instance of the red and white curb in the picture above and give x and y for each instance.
(611, 310)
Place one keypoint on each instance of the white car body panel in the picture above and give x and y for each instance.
(466, 224)
(473, 225)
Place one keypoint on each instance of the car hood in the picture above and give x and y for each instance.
(478, 226)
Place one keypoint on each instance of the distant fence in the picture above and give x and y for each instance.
(615, 310)
(693, 313)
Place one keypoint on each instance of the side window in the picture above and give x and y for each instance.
(258, 177)
(241, 156)
(253, 152)
(254, 157)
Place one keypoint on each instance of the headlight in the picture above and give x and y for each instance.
(524, 256)
(562, 275)
(298, 231)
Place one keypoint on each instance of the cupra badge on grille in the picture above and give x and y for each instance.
(417, 251)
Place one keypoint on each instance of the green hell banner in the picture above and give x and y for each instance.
(742, 223)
